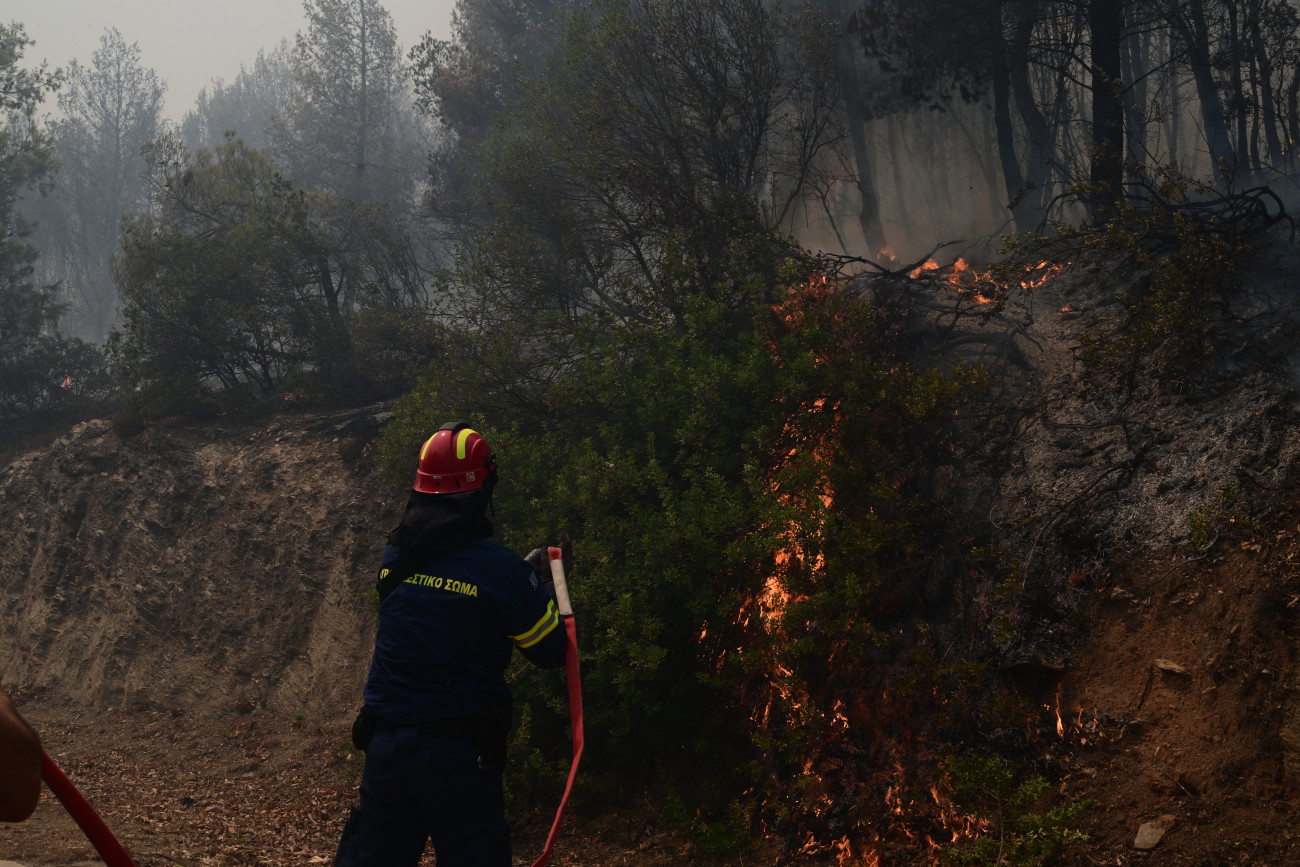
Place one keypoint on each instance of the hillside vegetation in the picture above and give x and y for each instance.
(187, 611)
(860, 530)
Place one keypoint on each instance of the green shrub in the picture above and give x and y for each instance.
(1020, 834)
(1224, 513)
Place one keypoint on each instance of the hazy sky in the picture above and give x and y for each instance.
(190, 42)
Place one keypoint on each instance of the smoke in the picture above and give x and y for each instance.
(938, 182)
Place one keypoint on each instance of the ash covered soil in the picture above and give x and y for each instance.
(184, 617)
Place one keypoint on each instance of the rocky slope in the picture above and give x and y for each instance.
(195, 568)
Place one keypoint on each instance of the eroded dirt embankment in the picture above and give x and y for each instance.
(194, 568)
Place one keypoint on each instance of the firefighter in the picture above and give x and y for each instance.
(20, 764)
(436, 711)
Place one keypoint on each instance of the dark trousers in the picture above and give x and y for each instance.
(419, 787)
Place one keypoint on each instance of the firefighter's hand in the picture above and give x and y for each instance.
(540, 560)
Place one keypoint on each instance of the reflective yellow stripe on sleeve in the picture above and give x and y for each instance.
(541, 628)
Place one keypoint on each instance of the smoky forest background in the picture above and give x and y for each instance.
(667, 256)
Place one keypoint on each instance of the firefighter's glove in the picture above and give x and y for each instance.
(540, 560)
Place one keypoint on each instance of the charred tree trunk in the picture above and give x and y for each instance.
(1012, 178)
(855, 112)
(873, 232)
(1267, 96)
(1039, 157)
(1106, 25)
(1175, 107)
(1188, 18)
(1237, 101)
(1136, 57)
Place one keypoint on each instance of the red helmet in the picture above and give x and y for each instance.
(454, 459)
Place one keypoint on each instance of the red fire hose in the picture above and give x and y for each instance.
(575, 692)
(84, 814)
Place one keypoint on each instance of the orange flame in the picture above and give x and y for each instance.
(967, 280)
(928, 265)
(962, 273)
(906, 797)
(1046, 271)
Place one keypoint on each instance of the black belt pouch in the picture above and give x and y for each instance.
(363, 729)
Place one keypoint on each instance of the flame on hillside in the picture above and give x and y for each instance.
(927, 265)
(861, 764)
(988, 286)
(865, 760)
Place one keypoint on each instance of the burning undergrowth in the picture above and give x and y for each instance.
(866, 559)
(881, 626)
(1106, 430)
(942, 551)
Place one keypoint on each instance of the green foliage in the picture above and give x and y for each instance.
(27, 311)
(1020, 835)
(728, 434)
(1221, 514)
(467, 83)
(645, 463)
(21, 90)
(39, 369)
(725, 831)
(345, 129)
(682, 458)
(497, 44)
(239, 287)
(527, 770)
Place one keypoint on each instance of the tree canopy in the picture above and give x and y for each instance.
(38, 367)
(347, 129)
(110, 107)
(248, 105)
(237, 283)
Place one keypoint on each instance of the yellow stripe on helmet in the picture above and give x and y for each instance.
(460, 443)
(424, 449)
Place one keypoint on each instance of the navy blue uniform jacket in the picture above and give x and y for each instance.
(446, 634)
